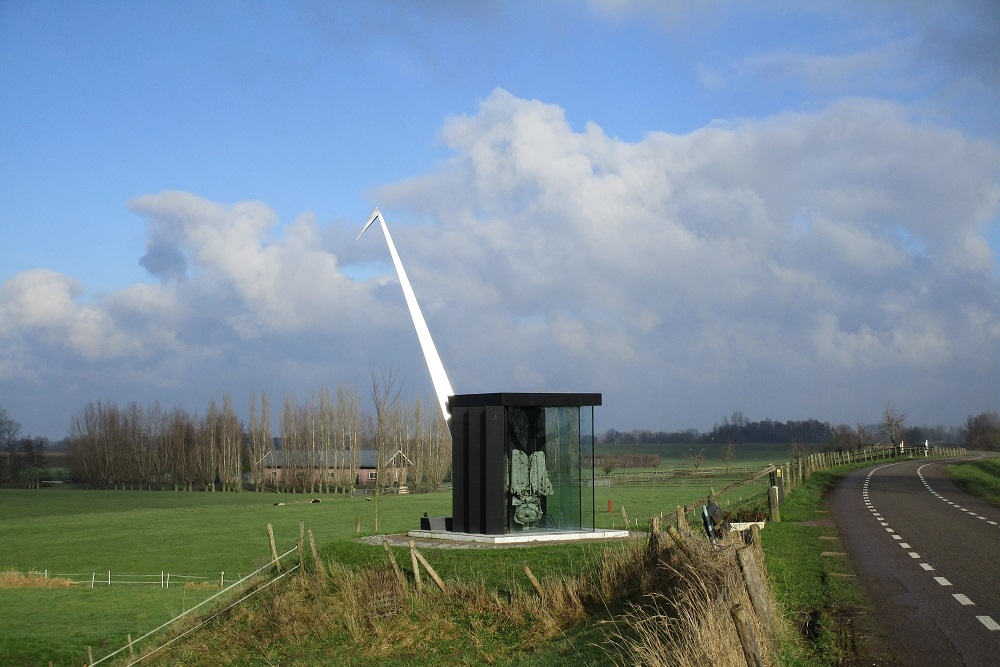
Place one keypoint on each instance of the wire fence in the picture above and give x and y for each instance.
(163, 579)
(130, 645)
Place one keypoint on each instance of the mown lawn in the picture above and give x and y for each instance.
(979, 478)
(75, 532)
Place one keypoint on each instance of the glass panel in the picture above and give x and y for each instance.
(562, 455)
(547, 486)
(528, 483)
(587, 500)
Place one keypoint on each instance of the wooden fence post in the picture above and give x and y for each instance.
(416, 567)
(751, 652)
(774, 511)
(430, 570)
(655, 537)
(300, 545)
(395, 566)
(679, 540)
(682, 524)
(357, 525)
(534, 581)
(274, 548)
(755, 589)
(755, 536)
(318, 564)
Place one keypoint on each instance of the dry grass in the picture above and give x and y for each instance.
(15, 579)
(200, 586)
(676, 613)
(688, 623)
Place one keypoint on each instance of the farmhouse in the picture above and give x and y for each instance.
(334, 468)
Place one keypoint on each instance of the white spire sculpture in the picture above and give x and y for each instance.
(442, 387)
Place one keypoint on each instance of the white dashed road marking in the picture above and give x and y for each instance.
(989, 623)
(962, 599)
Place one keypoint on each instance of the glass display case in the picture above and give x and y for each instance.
(522, 462)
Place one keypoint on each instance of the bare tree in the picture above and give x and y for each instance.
(206, 448)
(862, 436)
(230, 439)
(351, 420)
(894, 422)
(439, 462)
(696, 459)
(842, 438)
(385, 395)
(728, 454)
(327, 440)
(261, 439)
(982, 431)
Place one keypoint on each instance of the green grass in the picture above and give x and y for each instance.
(68, 531)
(755, 456)
(71, 531)
(815, 601)
(979, 478)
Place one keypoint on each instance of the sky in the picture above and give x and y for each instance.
(786, 209)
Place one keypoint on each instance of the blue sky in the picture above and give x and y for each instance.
(784, 208)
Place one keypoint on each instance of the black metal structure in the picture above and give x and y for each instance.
(522, 461)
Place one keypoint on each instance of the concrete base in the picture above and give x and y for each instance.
(523, 537)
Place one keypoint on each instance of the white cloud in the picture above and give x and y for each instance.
(286, 284)
(678, 270)
(734, 248)
(43, 303)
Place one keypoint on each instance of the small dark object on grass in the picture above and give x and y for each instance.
(276, 504)
(314, 500)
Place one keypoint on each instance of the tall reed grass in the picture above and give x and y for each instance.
(665, 609)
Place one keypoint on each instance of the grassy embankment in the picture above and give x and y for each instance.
(816, 591)
(80, 532)
(978, 478)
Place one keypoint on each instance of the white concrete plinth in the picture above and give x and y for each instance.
(745, 525)
(524, 537)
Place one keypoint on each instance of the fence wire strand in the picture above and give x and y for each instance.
(200, 604)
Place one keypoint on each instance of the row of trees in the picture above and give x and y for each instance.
(740, 430)
(22, 459)
(319, 445)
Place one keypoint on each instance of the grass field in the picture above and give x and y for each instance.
(980, 478)
(76, 532)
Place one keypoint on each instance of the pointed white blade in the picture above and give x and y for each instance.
(442, 386)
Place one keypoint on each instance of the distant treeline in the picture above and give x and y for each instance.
(740, 430)
(610, 462)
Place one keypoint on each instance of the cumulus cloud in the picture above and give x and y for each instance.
(43, 304)
(840, 239)
(750, 265)
(225, 253)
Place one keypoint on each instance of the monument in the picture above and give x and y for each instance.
(522, 463)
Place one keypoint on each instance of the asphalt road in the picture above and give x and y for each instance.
(929, 557)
